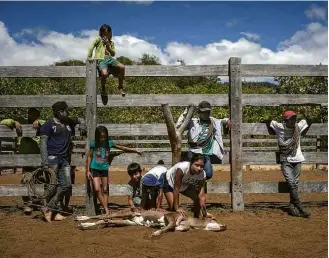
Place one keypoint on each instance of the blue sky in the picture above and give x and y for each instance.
(162, 23)
(193, 22)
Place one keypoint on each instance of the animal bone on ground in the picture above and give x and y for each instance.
(166, 221)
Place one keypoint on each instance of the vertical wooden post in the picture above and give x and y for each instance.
(235, 102)
(318, 146)
(91, 106)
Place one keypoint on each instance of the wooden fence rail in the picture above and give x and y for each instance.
(160, 130)
(247, 70)
(155, 100)
(238, 153)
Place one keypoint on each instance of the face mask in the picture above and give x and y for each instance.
(63, 117)
(204, 115)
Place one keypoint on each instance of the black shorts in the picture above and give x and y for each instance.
(166, 187)
(149, 196)
(99, 173)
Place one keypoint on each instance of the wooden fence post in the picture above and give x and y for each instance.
(318, 147)
(91, 106)
(235, 102)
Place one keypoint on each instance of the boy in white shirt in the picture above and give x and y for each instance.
(291, 157)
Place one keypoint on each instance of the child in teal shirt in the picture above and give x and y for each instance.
(98, 163)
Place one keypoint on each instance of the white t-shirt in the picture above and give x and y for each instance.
(282, 131)
(188, 178)
(157, 171)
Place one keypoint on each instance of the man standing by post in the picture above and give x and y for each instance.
(55, 147)
(205, 135)
(27, 145)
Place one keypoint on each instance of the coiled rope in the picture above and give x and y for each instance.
(38, 178)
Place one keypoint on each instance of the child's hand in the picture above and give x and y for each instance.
(89, 175)
(35, 124)
(228, 124)
(18, 126)
(139, 153)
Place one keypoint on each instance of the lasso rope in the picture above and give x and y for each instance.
(38, 178)
(289, 146)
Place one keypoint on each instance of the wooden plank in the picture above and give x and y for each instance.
(160, 130)
(235, 100)
(131, 70)
(269, 158)
(270, 70)
(261, 129)
(155, 100)
(26, 101)
(91, 123)
(164, 149)
(284, 99)
(212, 187)
(141, 141)
(151, 158)
(247, 70)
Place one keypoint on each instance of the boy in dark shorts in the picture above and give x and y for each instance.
(152, 187)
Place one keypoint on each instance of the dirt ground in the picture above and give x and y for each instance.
(262, 230)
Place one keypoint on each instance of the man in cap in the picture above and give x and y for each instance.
(205, 135)
(291, 157)
(27, 145)
(55, 153)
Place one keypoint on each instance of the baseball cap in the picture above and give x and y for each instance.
(204, 106)
(151, 180)
(61, 106)
(288, 114)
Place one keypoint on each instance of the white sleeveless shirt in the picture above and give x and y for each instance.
(188, 178)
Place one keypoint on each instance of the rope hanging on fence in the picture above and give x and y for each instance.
(38, 178)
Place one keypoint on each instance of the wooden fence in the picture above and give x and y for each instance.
(235, 100)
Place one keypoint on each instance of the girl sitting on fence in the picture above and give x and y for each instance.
(97, 165)
(106, 63)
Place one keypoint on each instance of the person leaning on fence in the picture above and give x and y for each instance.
(55, 146)
(106, 63)
(187, 178)
(27, 145)
(152, 187)
(291, 157)
(205, 135)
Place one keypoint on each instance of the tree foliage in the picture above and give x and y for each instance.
(163, 85)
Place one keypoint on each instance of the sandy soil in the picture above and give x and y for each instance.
(263, 230)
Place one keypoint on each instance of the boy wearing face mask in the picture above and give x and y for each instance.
(291, 157)
(205, 135)
(54, 148)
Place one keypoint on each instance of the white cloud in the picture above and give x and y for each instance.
(316, 12)
(251, 36)
(307, 46)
